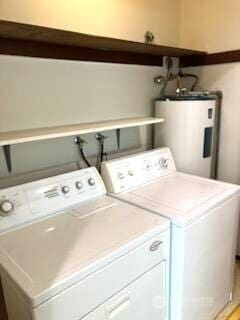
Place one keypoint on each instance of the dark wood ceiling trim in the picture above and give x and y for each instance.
(37, 41)
(14, 30)
(210, 59)
(40, 49)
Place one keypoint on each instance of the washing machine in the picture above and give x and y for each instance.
(68, 251)
(204, 218)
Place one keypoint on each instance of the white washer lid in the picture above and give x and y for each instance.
(48, 256)
(180, 197)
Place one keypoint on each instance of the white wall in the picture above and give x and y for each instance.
(125, 19)
(41, 92)
(226, 77)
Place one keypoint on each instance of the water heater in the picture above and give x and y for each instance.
(190, 130)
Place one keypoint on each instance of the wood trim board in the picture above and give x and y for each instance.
(210, 59)
(37, 49)
(45, 42)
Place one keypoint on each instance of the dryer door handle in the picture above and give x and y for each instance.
(118, 306)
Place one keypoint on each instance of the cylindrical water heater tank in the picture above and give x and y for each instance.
(190, 131)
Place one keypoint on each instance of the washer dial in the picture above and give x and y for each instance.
(65, 189)
(79, 185)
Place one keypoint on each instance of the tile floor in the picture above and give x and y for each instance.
(236, 296)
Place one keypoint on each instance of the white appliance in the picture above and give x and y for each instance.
(204, 215)
(190, 131)
(69, 252)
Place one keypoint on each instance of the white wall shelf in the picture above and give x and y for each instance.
(21, 136)
(15, 137)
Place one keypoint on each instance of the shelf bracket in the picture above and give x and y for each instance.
(7, 154)
(118, 135)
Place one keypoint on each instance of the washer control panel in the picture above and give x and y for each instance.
(35, 200)
(132, 171)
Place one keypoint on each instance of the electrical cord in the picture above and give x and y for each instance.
(181, 74)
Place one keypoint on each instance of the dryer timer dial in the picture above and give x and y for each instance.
(6, 208)
(163, 162)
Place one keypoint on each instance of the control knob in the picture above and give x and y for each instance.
(91, 182)
(163, 163)
(65, 189)
(130, 173)
(79, 185)
(121, 176)
(147, 166)
(6, 208)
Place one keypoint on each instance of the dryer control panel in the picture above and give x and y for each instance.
(35, 200)
(132, 171)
